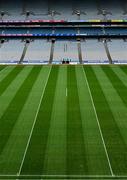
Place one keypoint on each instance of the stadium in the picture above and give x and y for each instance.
(63, 89)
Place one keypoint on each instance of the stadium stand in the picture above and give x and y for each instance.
(93, 52)
(118, 50)
(38, 52)
(66, 51)
(49, 10)
(56, 121)
(73, 44)
(10, 51)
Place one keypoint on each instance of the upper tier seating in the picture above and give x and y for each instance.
(27, 10)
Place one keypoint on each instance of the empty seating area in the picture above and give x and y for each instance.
(44, 30)
(93, 31)
(115, 31)
(65, 30)
(38, 51)
(118, 50)
(10, 51)
(93, 52)
(66, 51)
(74, 50)
(27, 10)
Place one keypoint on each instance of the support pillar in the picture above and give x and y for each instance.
(24, 51)
(52, 51)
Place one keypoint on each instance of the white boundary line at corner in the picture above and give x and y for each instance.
(106, 152)
(28, 142)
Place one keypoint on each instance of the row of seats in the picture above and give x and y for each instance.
(89, 31)
(39, 51)
(66, 10)
(38, 31)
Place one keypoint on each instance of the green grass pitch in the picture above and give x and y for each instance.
(63, 122)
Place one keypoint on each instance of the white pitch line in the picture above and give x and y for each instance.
(33, 125)
(66, 92)
(103, 141)
(64, 175)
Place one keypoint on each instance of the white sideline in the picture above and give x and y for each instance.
(64, 175)
(106, 152)
(33, 125)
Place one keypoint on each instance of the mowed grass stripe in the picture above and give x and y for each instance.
(76, 155)
(121, 90)
(124, 69)
(9, 78)
(95, 152)
(116, 104)
(117, 83)
(114, 142)
(4, 72)
(11, 91)
(14, 150)
(120, 73)
(35, 156)
(55, 159)
(2, 67)
(12, 113)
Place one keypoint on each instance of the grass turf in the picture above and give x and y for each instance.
(63, 122)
